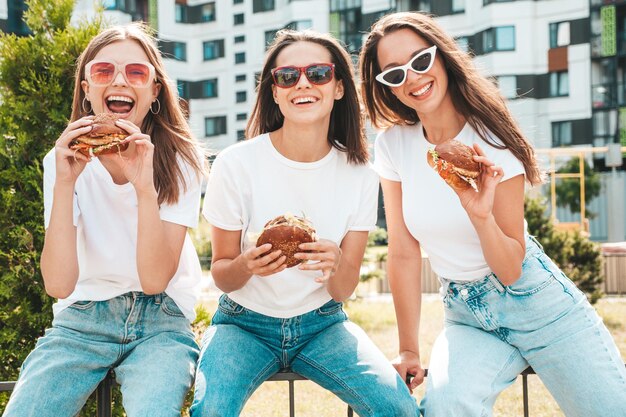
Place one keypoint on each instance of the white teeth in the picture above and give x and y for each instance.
(120, 98)
(422, 90)
(300, 100)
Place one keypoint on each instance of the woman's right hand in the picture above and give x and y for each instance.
(408, 364)
(260, 261)
(69, 163)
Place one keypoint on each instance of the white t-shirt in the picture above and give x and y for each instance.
(432, 210)
(105, 215)
(251, 183)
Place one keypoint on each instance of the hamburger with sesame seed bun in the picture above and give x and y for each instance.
(105, 137)
(286, 233)
(454, 162)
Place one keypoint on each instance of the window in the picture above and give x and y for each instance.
(181, 13)
(240, 39)
(463, 43)
(508, 85)
(213, 49)
(241, 97)
(561, 134)
(214, 126)
(240, 77)
(239, 19)
(241, 135)
(242, 116)
(299, 24)
(208, 12)
(458, 6)
(262, 5)
(559, 84)
(499, 39)
(240, 58)
(179, 50)
(209, 88)
(183, 89)
(559, 34)
(237, 1)
(269, 37)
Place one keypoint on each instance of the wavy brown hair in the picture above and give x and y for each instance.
(346, 131)
(473, 95)
(168, 129)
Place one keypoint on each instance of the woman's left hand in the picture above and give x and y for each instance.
(137, 165)
(326, 253)
(479, 204)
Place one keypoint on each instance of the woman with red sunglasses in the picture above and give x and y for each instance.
(305, 154)
(507, 305)
(117, 254)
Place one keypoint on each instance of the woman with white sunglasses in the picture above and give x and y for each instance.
(116, 253)
(507, 305)
(306, 154)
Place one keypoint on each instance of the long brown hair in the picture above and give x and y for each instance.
(346, 132)
(473, 95)
(168, 129)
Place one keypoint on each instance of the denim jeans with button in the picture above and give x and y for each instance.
(493, 332)
(241, 349)
(146, 339)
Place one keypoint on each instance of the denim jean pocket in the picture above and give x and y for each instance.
(83, 304)
(536, 276)
(330, 308)
(228, 306)
(169, 307)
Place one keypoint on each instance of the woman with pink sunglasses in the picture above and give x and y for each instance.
(117, 254)
(507, 305)
(305, 154)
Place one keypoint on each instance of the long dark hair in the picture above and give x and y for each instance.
(346, 132)
(473, 95)
(168, 129)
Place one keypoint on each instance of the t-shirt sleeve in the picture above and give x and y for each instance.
(222, 200)
(367, 213)
(49, 178)
(383, 158)
(186, 210)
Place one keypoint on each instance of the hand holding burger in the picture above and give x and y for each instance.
(286, 233)
(105, 137)
(454, 162)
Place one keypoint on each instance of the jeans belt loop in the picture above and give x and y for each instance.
(496, 282)
(158, 298)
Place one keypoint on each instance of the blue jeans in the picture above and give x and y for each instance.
(146, 339)
(242, 349)
(493, 332)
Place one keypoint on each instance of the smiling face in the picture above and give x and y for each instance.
(306, 102)
(425, 92)
(127, 101)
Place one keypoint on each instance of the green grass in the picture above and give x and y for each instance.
(378, 319)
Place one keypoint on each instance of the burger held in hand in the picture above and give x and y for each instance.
(454, 162)
(104, 138)
(286, 233)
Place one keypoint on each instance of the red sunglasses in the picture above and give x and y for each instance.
(317, 74)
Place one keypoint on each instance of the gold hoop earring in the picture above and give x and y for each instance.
(156, 100)
(85, 107)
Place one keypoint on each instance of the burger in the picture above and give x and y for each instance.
(103, 138)
(454, 162)
(286, 233)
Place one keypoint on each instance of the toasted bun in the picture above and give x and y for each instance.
(454, 162)
(103, 138)
(286, 233)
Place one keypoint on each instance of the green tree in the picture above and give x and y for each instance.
(578, 257)
(36, 87)
(568, 189)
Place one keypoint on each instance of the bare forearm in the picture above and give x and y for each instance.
(341, 285)
(404, 275)
(156, 260)
(59, 260)
(229, 274)
(503, 254)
